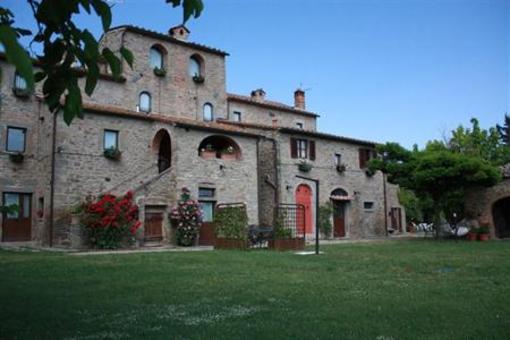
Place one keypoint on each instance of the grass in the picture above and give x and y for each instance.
(392, 290)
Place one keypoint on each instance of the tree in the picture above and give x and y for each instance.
(504, 131)
(64, 44)
(325, 212)
(435, 173)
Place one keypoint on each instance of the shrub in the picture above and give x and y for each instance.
(280, 232)
(484, 229)
(110, 222)
(325, 225)
(231, 222)
(187, 218)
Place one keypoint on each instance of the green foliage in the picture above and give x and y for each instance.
(187, 218)
(412, 205)
(325, 213)
(9, 209)
(231, 222)
(504, 131)
(64, 43)
(484, 229)
(279, 230)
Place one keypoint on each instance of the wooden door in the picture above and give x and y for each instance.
(17, 226)
(338, 219)
(207, 229)
(396, 219)
(304, 197)
(153, 226)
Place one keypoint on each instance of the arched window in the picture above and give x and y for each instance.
(219, 147)
(156, 57)
(19, 82)
(144, 102)
(208, 112)
(195, 66)
(162, 145)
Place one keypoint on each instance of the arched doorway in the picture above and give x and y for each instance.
(219, 147)
(163, 146)
(339, 199)
(501, 215)
(304, 197)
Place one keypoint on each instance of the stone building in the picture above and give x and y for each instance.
(174, 125)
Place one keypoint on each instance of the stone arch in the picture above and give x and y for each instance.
(217, 146)
(162, 146)
(501, 217)
(339, 192)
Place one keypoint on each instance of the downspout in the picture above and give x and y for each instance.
(52, 177)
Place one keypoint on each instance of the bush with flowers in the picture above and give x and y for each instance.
(110, 222)
(186, 217)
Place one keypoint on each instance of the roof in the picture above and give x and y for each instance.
(269, 104)
(302, 132)
(158, 117)
(166, 37)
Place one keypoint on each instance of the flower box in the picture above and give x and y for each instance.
(287, 244)
(228, 156)
(369, 172)
(160, 72)
(23, 93)
(198, 79)
(113, 154)
(341, 168)
(304, 167)
(208, 154)
(230, 243)
(16, 157)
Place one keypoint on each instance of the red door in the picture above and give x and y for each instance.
(17, 226)
(153, 226)
(304, 197)
(339, 218)
(396, 219)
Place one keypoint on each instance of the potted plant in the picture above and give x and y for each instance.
(341, 168)
(370, 172)
(159, 71)
(284, 239)
(483, 233)
(304, 166)
(198, 79)
(112, 153)
(228, 153)
(21, 92)
(208, 152)
(231, 227)
(187, 219)
(16, 157)
(473, 234)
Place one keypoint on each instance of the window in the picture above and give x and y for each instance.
(208, 112)
(236, 116)
(156, 58)
(338, 159)
(111, 140)
(144, 103)
(302, 148)
(206, 192)
(194, 67)
(20, 83)
(368, 205)
(12, 199)
(365, 155)
(299, 125)
(15, 139)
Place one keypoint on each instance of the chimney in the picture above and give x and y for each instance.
(179, 32)
(299, 99)
(258, 95)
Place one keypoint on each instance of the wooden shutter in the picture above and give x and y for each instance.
(293, 148)
(311, 144)
(362, 158)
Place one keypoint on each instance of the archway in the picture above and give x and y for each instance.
(339, 198)
(501, 215)
(219, 147)
(304, 197)
(163, 147)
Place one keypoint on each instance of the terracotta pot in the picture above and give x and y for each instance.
(208, 154)
(287, 244)
(228, 156)
(472, 236)
(228, 243)
(483, 237)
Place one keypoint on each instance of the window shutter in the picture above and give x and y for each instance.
(293, 148)
(362, 158)
(312, 149)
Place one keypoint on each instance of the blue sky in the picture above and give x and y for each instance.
(383, 70)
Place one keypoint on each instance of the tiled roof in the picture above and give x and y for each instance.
(166, 37)
(269, 104)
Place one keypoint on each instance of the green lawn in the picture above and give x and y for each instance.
(392, 290)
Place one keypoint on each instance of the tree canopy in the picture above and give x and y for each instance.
(64, 44)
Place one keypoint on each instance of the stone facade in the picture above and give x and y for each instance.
(262, 174)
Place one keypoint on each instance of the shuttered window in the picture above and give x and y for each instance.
(302, 148)
(365, 155)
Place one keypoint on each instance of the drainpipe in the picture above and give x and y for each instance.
(385, 205)
(52, 177)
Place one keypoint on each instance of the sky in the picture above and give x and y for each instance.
(406, 71)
